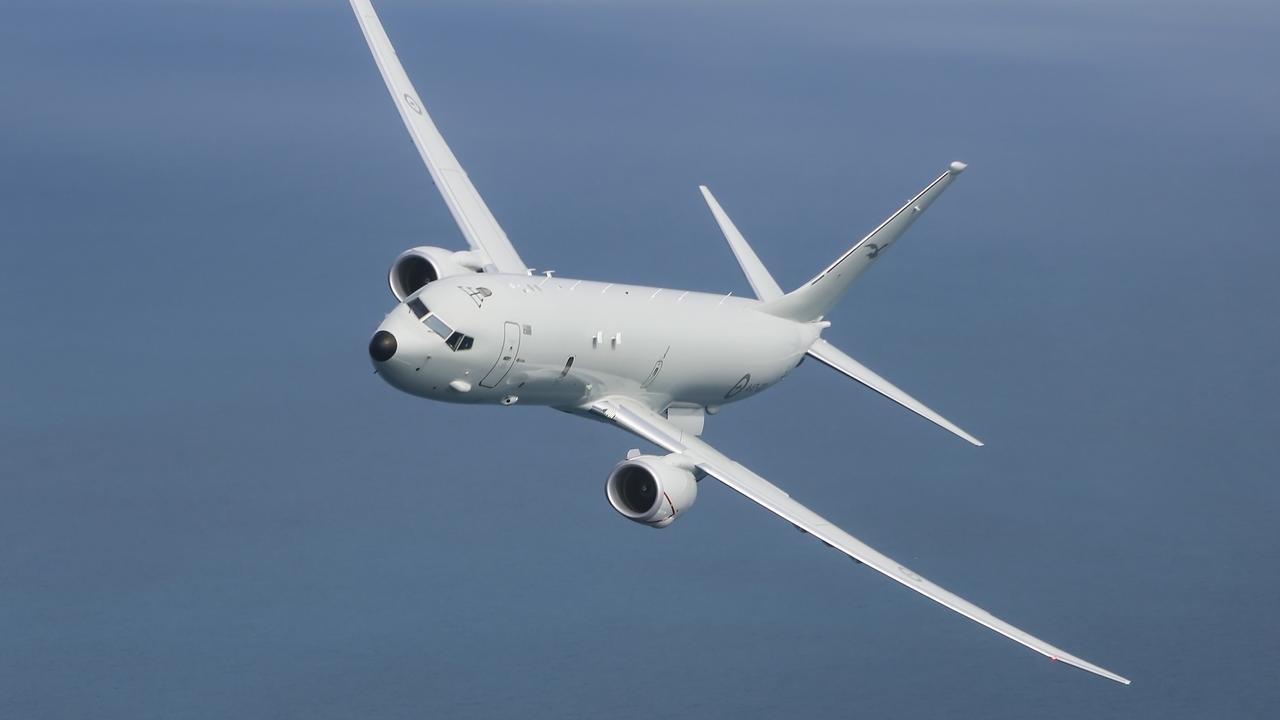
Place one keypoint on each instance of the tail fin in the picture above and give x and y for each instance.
(815, 298)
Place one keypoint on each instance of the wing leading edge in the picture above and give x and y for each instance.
(643, 422)
(481, 229)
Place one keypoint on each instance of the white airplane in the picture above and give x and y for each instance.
(478, 326)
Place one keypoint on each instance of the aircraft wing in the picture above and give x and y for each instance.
(477, 223)
(638, 419)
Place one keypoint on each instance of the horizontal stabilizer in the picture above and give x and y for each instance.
(757, 274)
(832, 356)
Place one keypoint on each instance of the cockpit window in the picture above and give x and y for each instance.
(438, 326)
(455, 340)
(458, 341)
(418, 307)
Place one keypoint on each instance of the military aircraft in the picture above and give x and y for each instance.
(479, 326)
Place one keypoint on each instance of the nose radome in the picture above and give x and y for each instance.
(382, 346)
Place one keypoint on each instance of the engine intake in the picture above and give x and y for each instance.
(417, 267)
(651, 490)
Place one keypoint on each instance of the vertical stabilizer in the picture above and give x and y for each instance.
(815, 298)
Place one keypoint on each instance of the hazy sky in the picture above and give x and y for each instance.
(210, 507)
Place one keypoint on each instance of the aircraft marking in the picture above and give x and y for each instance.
(739, 386)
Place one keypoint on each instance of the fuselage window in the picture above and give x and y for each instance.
(418, 307)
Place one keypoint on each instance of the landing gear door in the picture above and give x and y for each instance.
(507, 358)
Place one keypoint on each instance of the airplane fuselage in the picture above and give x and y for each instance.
(502, 339)
(476, 326)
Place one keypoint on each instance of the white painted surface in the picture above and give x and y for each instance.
(477, 223)
(636, 418)
(542, 341)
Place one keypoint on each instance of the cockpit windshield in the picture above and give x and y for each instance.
(458, 341)
(454, 339)
(438, 326)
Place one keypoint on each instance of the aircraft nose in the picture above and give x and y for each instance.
(382, 346)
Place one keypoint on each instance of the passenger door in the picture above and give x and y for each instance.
(507, 358)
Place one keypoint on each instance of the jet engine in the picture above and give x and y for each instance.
(416, 267)
(651, 490)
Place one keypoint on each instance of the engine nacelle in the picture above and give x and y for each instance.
(651, 490)
(416, 267)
